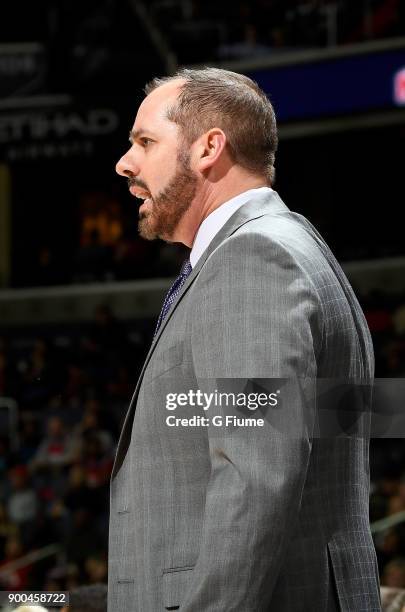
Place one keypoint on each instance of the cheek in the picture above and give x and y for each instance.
(160, 168)
(159, 180)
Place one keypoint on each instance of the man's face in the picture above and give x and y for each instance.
(160, 217)
(158, 167)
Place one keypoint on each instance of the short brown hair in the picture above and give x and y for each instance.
(213, 97)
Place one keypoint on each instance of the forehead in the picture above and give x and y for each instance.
(151, 114)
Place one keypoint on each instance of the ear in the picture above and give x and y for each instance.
(210, 147)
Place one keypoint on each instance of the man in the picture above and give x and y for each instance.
(218, 519)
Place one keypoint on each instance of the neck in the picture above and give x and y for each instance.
(212, 196)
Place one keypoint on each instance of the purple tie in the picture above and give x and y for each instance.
(173, 292)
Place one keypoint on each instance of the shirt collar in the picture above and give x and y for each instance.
(217, 219)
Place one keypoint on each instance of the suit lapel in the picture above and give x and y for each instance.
(249, 211)
(253, 209)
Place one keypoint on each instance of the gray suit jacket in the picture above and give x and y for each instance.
(247, 519)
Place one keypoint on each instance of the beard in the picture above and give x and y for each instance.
(169, 206)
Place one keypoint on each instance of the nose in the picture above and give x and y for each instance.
(127, 165)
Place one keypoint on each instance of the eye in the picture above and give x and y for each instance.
(145, 141)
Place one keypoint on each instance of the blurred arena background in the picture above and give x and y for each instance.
(80, 291)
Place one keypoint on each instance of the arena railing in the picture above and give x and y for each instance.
(142, 299)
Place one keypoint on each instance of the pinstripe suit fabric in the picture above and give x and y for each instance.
(252, 520)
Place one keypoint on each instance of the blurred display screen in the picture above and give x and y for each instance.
(399, 87)
(340, 86)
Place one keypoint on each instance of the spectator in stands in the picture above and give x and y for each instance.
(16, 578)
(57, 450)
(59, 517)
(29, 437)
(92, 598)
(393, 352)
(38, 374)
(106, 335)
(77, 381)
(104, 420)
(22, 503)
(388, 546)
(97, 465)
(96, 568)
(72, 580)
(96, 461)
(248, 46)
(90, 425)
(120, 388)
(394, 574)
(78, 494)
(7, 528)
(395, 505)
(55, 454)
(55, 579)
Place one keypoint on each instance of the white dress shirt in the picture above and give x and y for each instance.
(217, 219)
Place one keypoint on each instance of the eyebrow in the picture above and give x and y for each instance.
(136, 134)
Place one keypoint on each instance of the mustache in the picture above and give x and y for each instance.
(134, 182)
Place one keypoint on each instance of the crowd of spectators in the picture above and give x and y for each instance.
(97, 258)
(205, 31)
(72, 386)
(105, 247)
(386, 318)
